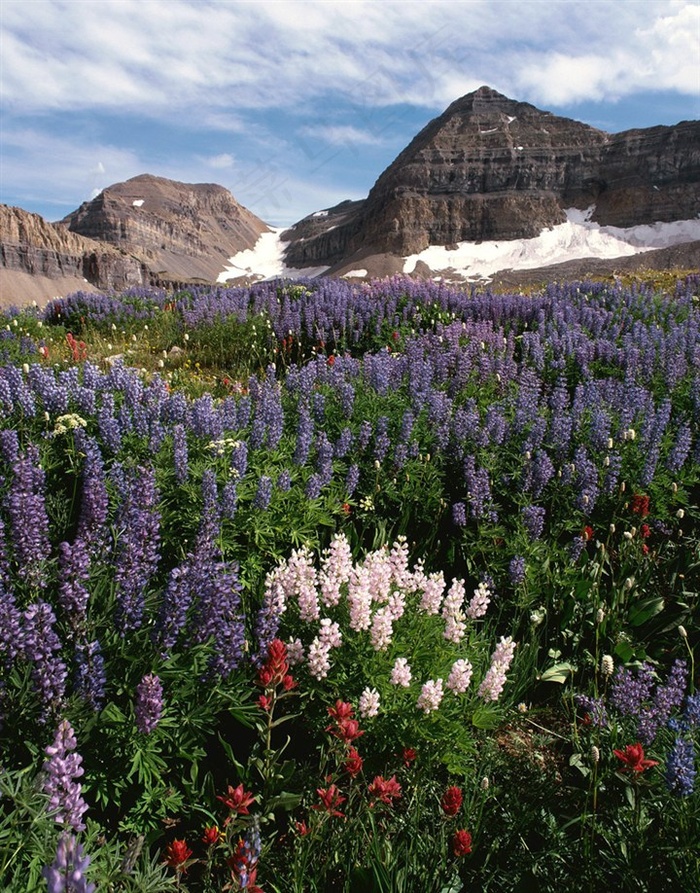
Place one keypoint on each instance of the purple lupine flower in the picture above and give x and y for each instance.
(94, 503)
(364, 435)
(680, 768)
(26, 508)
(630, 691)
(314, 485)
(60, 771)
(66, 874)
(344, 443)
(666, 698)
(533, 518)
(576, 548)
(180, 454)
(305, 435)
(40, 647)
(284, 481)
(691, 714)
(148, 707)
(352, 479)
(90, 676)
(268, 619)
(459, 514)
(595, 708)
(382, 441)
(74, 567)
(9, 445)
(137, 550)
(516, 569)
(680, 450)
(239, 460)
(263, 494)
(229, 499)
(11, 635)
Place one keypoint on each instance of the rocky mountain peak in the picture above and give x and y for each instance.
(182, 230)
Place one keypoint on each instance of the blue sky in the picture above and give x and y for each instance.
(295, 106)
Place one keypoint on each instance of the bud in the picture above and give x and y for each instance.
(607, 665)
(612, 528)
(683, 632)
(484, 783)
(595, 754)
(629, 583)
(680, 514)
(674, 487)
(600, 615)
(25, 368)
(610, 443)
(186, 337)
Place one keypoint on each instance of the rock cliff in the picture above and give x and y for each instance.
(492, 168)
(33, 251)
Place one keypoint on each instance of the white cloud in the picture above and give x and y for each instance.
(164, 56)
(341, 135)
(220, 162)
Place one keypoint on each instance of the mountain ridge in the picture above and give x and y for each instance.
(487, 168)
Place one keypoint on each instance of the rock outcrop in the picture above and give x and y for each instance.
(181, 230)
(56, 260)
(492, 168)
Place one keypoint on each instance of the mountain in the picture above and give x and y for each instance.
(491, 168)
(181, 230)
(490, 173)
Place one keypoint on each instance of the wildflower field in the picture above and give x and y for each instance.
(315, 586)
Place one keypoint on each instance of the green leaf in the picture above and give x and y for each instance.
(485, 717)
(645, 610)
(557, 673)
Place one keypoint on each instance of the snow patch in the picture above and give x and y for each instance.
(357, 273)
(137, 202)
(265, 261)
(577, 238)
(320, 214)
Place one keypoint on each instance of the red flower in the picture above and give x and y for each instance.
(408, 755)
(588, 533)
(264, 703)
(341, 711)
(212, 835)
(386, 790)
(302, 828)
(330, 360)
(633, 758)
(346, 508)
(276, 666)
(288, 682)
(176, 855)
(451, 801)
(462, 843)
(237, 799)
(331, 799)
(645, 531)
(353, 763)
(640, 505)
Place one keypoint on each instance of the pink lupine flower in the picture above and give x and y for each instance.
(369, 703)
(433, 587)
(381, 630)
(495, 678)
(460, 676)
(479, 603)
(329, 633)
(430, 696)
(452, 613)
(401, 673)
(318, 661)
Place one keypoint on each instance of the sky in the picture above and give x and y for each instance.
(295, 106)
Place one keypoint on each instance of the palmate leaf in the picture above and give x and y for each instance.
(558, 673)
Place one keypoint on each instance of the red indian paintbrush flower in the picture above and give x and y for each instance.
(451, 801)
(212, 835)
(353, 762)
(462, 843)
(633, 758)
(176, 855)
(237, 799)
(386, 790)
(331, 798)
(640, 505)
